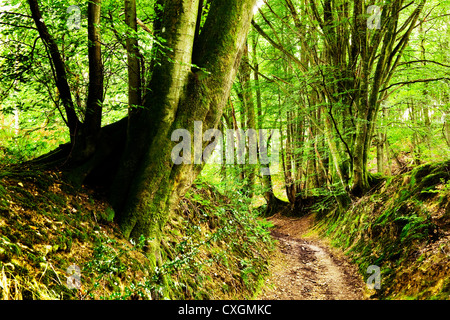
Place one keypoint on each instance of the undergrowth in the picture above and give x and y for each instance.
(223, 250)
(402, 226)
(213, 247)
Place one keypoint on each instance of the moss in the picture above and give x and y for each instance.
(390, 228)
(444, 291)
(375, 179)
(211, 243)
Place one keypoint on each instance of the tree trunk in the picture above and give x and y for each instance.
(190, 82)
(59, 70)
(369, 93)
(415, 143)
(251, 117)
(360, 179)
(177, 98)
(93, 116)
(380, 152)
(274, 204)
(446, 128)
(134, 68)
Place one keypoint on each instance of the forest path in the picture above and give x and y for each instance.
(306, 268)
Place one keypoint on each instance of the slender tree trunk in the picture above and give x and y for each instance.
(273, 203)
(59, 69)
(380, 152)
(134, 68)
(415, 143)
(251, 117)
(335, 155)
(446, 128)
(289, 159)
(425, 109)
(93, 116)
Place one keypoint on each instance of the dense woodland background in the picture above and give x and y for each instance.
(358, 106)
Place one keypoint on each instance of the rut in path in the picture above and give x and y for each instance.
(306, 269)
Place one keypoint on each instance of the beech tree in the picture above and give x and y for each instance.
(350, 66)
(191, 78)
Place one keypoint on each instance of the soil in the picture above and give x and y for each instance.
(306, 268)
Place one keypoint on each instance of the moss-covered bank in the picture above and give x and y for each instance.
(402, 226)
(212, 247)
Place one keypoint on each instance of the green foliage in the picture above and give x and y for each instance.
(222, 234)
(301, 85)
(390, 227)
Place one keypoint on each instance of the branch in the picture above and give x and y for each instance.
(16, 14)
(116, 34)
(422, 61)
(330, 112)
(17, 26)
(414, 81)
(277, 45)
(259, 73)
(437, 17)
(143, 26)
(294, 14)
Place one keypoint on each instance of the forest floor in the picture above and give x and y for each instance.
(304, 267)
(61, 242)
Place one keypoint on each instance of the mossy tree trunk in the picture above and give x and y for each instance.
(360, 63)
(133, 56)
(249, 118)
(178, 95)
(377, 69)
(93, 118)
(274, 204)
(191, 79)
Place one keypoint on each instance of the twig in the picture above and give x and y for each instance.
(413, 81)
(143, 26)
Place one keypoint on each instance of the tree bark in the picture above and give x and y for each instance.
(178, 96)
(274, 204)
(93, 115)
(59, 68)
(249, 108)
(134, 68)
(370, 93)
(380, 152)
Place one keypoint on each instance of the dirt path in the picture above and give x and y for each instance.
(304, 268)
